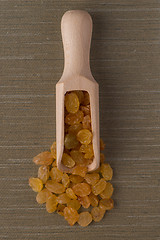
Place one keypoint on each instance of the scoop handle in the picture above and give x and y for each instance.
(76, 28)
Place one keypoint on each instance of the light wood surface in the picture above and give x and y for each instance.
(76, 27)
(125, 61)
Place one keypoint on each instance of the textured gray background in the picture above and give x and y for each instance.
(125, 60)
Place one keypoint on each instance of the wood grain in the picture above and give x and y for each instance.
(125, 59)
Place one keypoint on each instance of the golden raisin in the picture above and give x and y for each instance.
(74, 118)
(43, 173)
(44, 158)
(70, 141)
(84, 136)
(36, 184)
(87, 150)
(80, 95)
(63, 198)
(67, 161)
(70, 193)
(56, 174)
(106, 204)
(55, 187)
(92, 178)
(86, 100)
(99, 187)
(86, 123)
(97, 214)
(81, 189)
(84, 201)
(106, 171)
(51, 204)
(76, 178)
(93, 200)
(74, 129)
(108, 191)
(72, 102)
(43, 195)
(74, 204)
(65, 180)
(71, 215)
(85, 218)
(53, 150)
(80, 170)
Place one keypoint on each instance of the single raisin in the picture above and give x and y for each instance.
(84, 136)
(82, 189)
(43, 173)
(67, 161)
(85, 218)
(106, 171)
(36, 184)
(72, 102)
(44, 158)
(71, 215)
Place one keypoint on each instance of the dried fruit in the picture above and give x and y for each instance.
(97, 214)
(76, 179)
(84, 201)
(70, 193)
(108, 191)
(53, 150)
(43, 195)
(74, 204)
(85, 218)
(86, 100)
(106, 171)
(55, 187)
(43, 173)
(51, 204)
(93, 200)
(71, 215)
(81, 189)
(72, 102)
(77, 187)
(106, 204)
(86, 122)
(99, 187)
(74, 118)
(70, 141)
(63, 198)
(80, 95)
(80, 170)
(84, 136)
(65, 180)
(67, 161)
(92, 178)
(36, 184)
(74, 129)
(56, 174)
(87, 150)
(44, 158)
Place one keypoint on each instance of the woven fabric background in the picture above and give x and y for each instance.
(125, 61)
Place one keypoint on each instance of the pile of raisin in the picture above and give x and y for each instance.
(71, 194)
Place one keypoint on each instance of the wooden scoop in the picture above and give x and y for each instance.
(76, 28)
